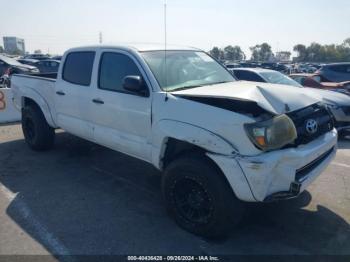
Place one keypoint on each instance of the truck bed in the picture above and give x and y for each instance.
(39, 88)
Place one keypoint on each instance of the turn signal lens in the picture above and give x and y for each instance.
(273, 133)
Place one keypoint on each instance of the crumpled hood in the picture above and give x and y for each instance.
(329, 97)
(277, 99)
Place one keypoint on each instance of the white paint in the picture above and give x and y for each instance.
(9, 113)
(141, 126)
(48, 239)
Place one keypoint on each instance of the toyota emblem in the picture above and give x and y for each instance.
(311, 126)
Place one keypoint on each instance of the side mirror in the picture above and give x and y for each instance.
(135, 84)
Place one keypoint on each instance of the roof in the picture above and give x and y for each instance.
(255, 70)
(303, 74)
(138, 47)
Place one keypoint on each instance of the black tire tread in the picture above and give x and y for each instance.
(44, 134)
(229, 209)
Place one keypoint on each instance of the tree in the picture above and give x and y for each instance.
(215, 52)
(301, 51)
(233, 53)
(346, 43)
(262, 52)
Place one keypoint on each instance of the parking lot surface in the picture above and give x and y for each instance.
(83, 199)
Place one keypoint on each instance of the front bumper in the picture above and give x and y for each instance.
(279, 174)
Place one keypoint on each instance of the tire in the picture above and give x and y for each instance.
(343, 134)
(199, 197)
(37, 133)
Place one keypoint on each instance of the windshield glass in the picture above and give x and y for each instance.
(175, 70)
(279, 78)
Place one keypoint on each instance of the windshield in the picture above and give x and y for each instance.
(275, 77)
(175, 70)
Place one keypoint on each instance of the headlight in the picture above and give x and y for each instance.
(273, 133)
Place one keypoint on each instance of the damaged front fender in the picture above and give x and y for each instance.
(195, 135)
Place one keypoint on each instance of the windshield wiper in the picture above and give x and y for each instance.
(217, 83)
(185, 87)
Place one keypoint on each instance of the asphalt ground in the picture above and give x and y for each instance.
(83, 199)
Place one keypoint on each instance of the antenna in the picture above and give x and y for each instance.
(100, 38)
(165, 42)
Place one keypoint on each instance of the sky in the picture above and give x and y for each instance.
(56, 25)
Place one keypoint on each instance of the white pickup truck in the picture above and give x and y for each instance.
(219, 142)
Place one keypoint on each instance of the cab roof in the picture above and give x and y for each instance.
(135, 47)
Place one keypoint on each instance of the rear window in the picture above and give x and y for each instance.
(78, 68)
(247, 76)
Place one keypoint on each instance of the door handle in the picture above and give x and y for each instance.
(60, 93)
(98, 101)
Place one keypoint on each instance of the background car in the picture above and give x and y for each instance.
(48, 66)
(338, 72)
(11, 66)
(25, 61)
(37, 57)
(58, 57)
(317, 81)
(263, 75)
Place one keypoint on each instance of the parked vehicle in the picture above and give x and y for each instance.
(232, 65)
(48, 66)
(337, 103)
(317, 81)
(217, 141)
(11, 66)
(263, 75)
(58, 57)
(25, 61)
(338, 72)
(5, 81)
(37, 57)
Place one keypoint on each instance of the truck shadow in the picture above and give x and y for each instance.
(83, 199)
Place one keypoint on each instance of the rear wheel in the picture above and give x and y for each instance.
(37, 133)
(200, 199)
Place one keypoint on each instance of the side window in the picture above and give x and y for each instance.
(113, 68)
(78, 68)
(248, 76)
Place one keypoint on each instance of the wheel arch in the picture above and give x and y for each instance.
(30, 100)
(170, 138)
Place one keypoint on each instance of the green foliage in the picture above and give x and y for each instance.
(233, 53)
(262, 52)
(229, 53)
(316, 52)
(215, 52)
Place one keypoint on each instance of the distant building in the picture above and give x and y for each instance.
(283, 56)
(14, 45)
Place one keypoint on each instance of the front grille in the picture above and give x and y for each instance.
(317, 112)
(304, 171)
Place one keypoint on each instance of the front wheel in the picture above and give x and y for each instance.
(37, 133)
(200, 199)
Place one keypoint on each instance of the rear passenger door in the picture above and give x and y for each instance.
(122, 119)
(73, 94)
